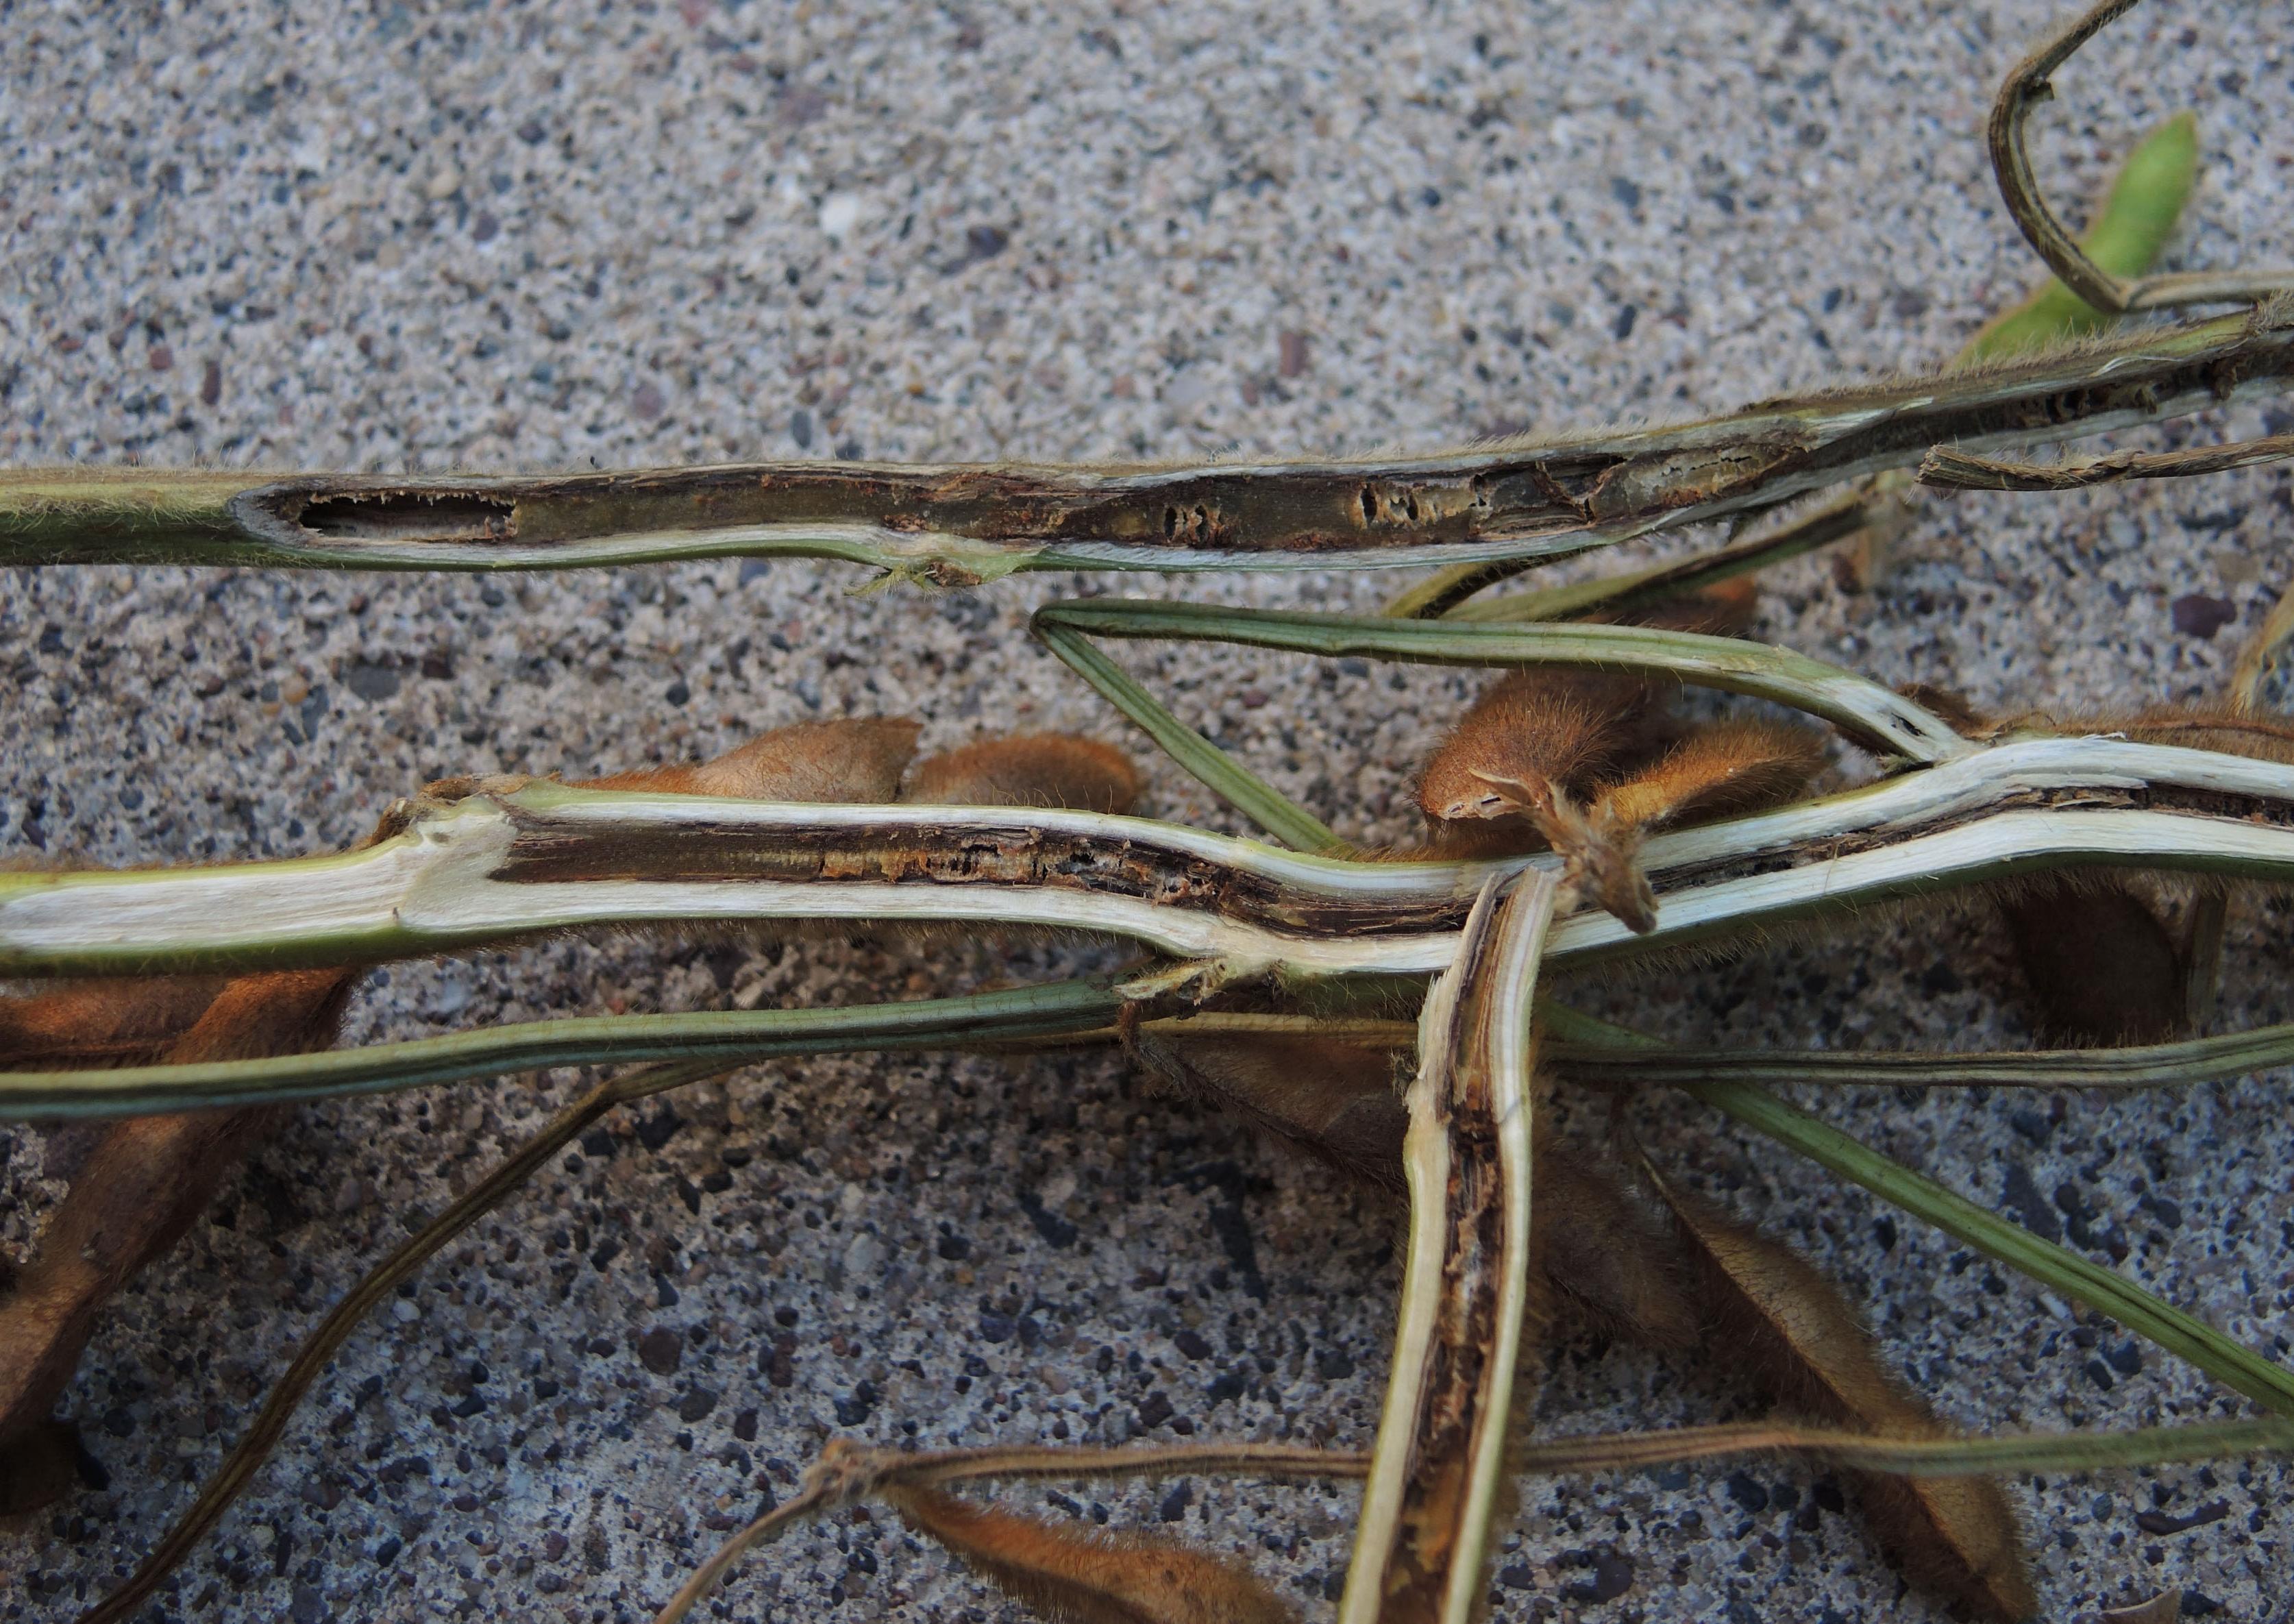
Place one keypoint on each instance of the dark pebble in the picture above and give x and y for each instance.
(2160, 1523)
(1175, 1503)
(660, 1350)
(1191, 1343)
(1746, 1492)
(657, 1130)
(1612, 1576)
(695, 1405)
(2031, 1207)
(2197, 615)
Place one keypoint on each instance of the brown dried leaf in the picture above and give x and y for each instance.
(1027, 769)
(2163, 1608)
(1090, 1578)
(1778, 1315)
(849, 760)
(110, 1022)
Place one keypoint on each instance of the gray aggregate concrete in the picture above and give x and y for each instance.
(409, 236)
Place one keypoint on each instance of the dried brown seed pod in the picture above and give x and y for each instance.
(146, 1182)
(38, 1466)
(1550, 730)
(1090, 1578)
(2101, 967)
(1336, 1101)
(1608, 1258)
(1784, 1320)
(1728, 767)
(847, 761)
(1611, 1260)
(1027, 769)
(108, 1022)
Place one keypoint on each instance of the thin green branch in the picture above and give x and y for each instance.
(722, 1037)
(2235, 1366)
(1616, 595)
(2211, 1060)
(1236, 784)
(1949, 1456)
(1875, 716)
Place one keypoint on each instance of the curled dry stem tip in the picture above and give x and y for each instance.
(1601, 855)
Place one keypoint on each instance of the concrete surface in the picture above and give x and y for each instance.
(432, 235)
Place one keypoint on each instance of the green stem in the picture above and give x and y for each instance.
(1236, 784)
(2235, 1366)
(2210, 1059)
(1877, 717)
(2078, 1451)
(720, 1038)
(2135, 221)
(1616, 595)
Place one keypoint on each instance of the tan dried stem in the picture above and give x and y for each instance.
(2026, 87)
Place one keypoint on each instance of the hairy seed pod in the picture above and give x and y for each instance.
(1090, 1578)
(146, 1182)
(1727, 767)
(109, 1022)
(1556, 730)
(1618, 1266)
(1725, 609)
(1609, 1259)
(1027, 769)
(847, 760)
(1783, 1320)
(2101, 967)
